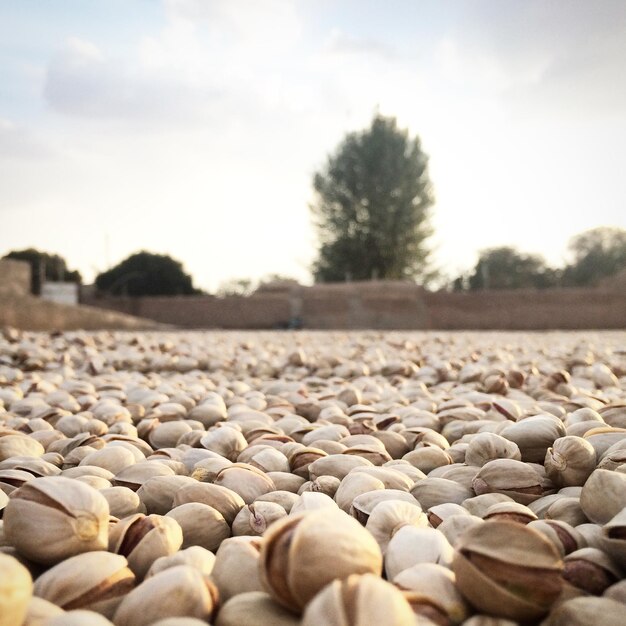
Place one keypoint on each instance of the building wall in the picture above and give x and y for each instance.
(14, 277)
(380, 305)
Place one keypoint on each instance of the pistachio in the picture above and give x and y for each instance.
(74, 515)
(507, 570)
(570, 461)
(16, 590)
(294, 557)
(180, 591)
(253, 608)
(95, 581)
(236, 569)
(357, 600)
(196, 557)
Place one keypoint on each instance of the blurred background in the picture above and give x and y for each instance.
(246, 141)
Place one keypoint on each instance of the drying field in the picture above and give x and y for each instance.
(314, 478)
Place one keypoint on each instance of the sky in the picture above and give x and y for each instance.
(194, 127)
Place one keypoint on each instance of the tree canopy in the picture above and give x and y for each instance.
(45, 267)
(371, 207)
(146, 274)
(597, 253)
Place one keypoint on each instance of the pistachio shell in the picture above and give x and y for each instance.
(253, 608)
(16, 590)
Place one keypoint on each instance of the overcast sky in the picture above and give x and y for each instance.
(194, 127)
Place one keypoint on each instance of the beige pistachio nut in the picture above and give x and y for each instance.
(434, 593)
(391, 477)
(438, 513)
(566, 509)
(180, 591)
(296, 551)
(248, 481)
(284, 481)
(411, 545)
(592, 534)
(74, 515)
(39, 611)
(508, 570)
(112, 458)
(512, 478)
(324, 484)
(255, 518)
(95, 581)
(227, 442)
(202, 525)
(136, 475)
(590, 570)
(157, 494)
(356, 601)
(570, 461)
(122, 501)
(603, 495)
(253, 608)
(311, 501)
(485, 447)
(338, 465)
(16, 590)
(363, 505)
(286, 499)
(195, 556)
(236, 569)
(430, 492)
(584, 611)
(144, 538)
(353, 485)
(488, 620)
(223, 499)
(513, 511)
(564, 536)
(617, 592)
(453, 527)
(613, 538)
(479, 505)
(18, 444)
(534, 435)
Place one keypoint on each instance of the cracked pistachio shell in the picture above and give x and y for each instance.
(196, 557)
(427, 458)
(438, 513)
(411, 545)
(284, 481)
(507, 570)
(363, 505)
(585, 611)
(358, 600)
(566, 509)
(513, 511)
(613, 539)
(591, 570)
(353, 485)
(603, 495)
(16, 590)
(430, 492)
(253, 608)
(112, 458)
(311, 501)
(144, 538)
(236, 568)
(434, 593)
(570, 461)
(255, 518)
(136, 475)
(389, 516)
(488, 620)
(95, 581)
(157, 494)
(534, 435)
(485, 447)
(391, 477)
(180, 591)
(337, 465)
(479, 505)
(512, 478)
(202, 525)
(227, 442)
(296, 552)
(564, 536)
(74, 515)
(453, 527)
(12, 445)
(248, 481)
(223, 499)
(324, 484)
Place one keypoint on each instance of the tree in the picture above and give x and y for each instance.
(146, 274)
(44, 267)
(597, 253)
(372, 207)
(506, 268)
(235, 287)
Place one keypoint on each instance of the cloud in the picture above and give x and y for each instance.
(343, 43)
(17, 142)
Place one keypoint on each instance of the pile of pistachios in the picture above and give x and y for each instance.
(312, 478)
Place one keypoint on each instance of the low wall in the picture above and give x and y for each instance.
(380, 305)
(14, 277)
(31, 313)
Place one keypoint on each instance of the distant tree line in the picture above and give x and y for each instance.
(596, 254)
